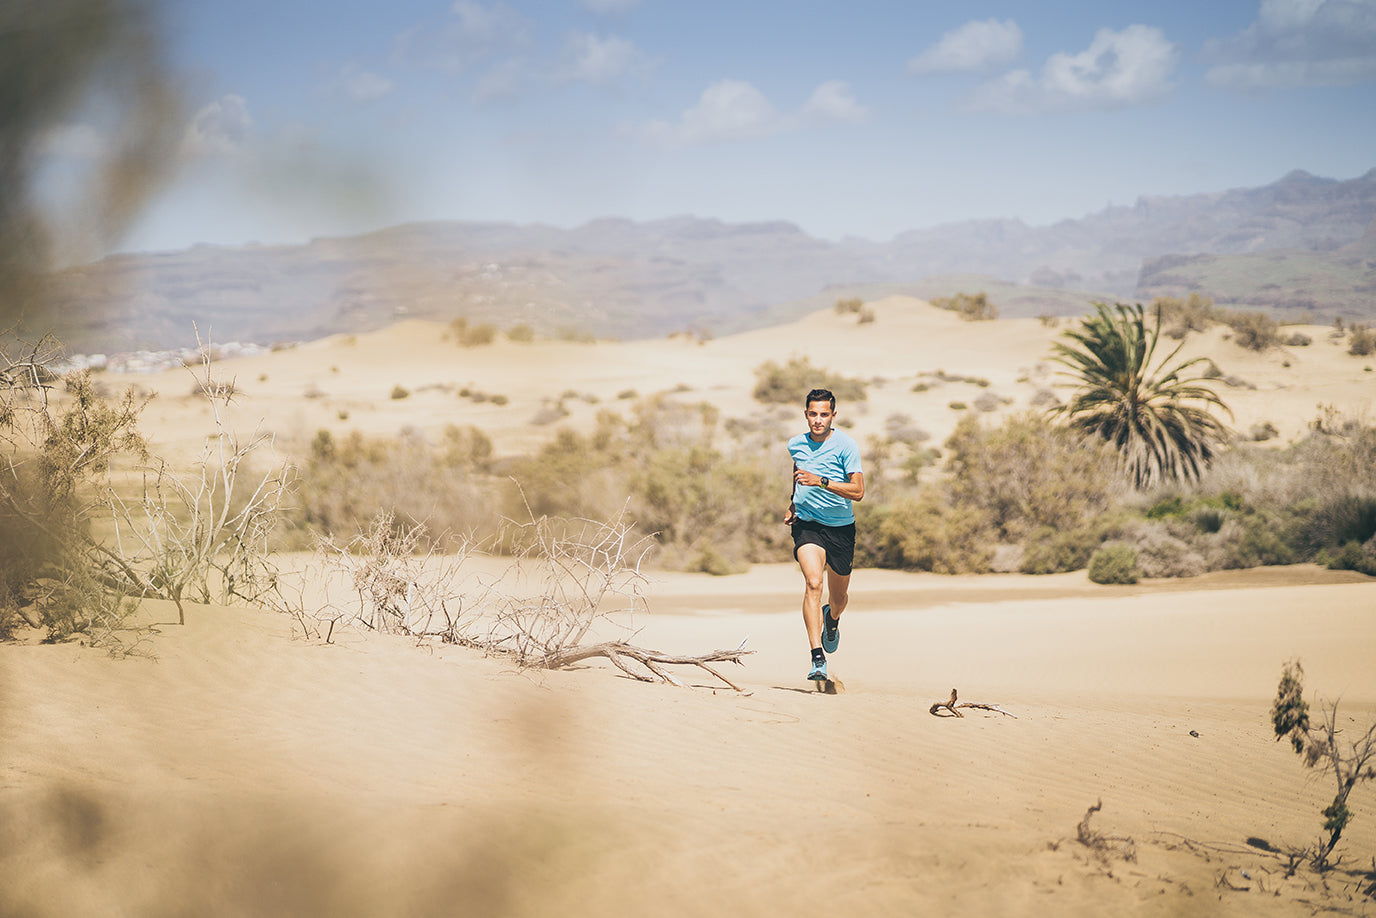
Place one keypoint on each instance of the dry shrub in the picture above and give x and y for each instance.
(788, 384)
(589, 572)
(988, 401)
(402, 587)
(924, 533)
(551, 411)
(347, 482)
(1180, 317)
(901, 428)
(1028, 473)
(1361, 341)
(1161, 552)
(473, 335)
(1255, 331)
(970, 307)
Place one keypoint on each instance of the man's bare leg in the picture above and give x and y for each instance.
(813, 561)
(838, 595)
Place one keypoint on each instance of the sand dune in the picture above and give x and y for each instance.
(344, 383)
(245, 771)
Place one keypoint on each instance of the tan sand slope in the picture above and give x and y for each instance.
(345, 383)
(244, 772)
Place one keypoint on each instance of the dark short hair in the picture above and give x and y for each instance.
(820, 395)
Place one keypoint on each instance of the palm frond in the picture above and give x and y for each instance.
(1156, 414)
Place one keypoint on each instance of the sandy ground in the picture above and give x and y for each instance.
(247, 772)
(244, 771)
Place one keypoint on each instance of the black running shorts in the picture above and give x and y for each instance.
(837, 541)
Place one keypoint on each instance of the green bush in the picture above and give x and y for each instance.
(1170, 506)
(1354, 557)
(1054, 551)
(1254, 540)
(1114, 564)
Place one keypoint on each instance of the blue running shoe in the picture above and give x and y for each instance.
(818, 673)
(831, 631)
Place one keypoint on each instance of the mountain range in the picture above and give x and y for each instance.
(614, 277)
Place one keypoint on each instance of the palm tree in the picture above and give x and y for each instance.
(1140, 408)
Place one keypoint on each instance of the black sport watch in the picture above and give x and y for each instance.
(825, 482)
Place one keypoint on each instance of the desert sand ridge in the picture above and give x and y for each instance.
(344, 383)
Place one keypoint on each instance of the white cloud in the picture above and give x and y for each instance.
(609, 7)
(977, 45)
(1297, 43)
(600, 61)
(218, 129)
(731, 110)
(1117, 70)
(362, 86)
(472, 34)
(727, 110)
(833, 101)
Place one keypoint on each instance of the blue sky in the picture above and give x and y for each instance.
(863, 118)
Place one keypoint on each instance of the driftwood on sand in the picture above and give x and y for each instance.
(653, 660)
(950, 705)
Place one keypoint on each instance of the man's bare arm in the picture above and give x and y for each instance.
(852, 489)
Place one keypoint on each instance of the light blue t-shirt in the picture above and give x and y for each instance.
(836, 458)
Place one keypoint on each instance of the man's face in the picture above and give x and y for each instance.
(819, 417)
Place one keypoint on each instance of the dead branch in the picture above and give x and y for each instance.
(1101, 844)
(616, 651)
(951, 706)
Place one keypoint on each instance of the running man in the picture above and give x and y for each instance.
(827, 479)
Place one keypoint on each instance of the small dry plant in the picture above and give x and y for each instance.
(1104, 846)
(200, 535)
(588, 571)
(400, 589)
(1349, 763)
